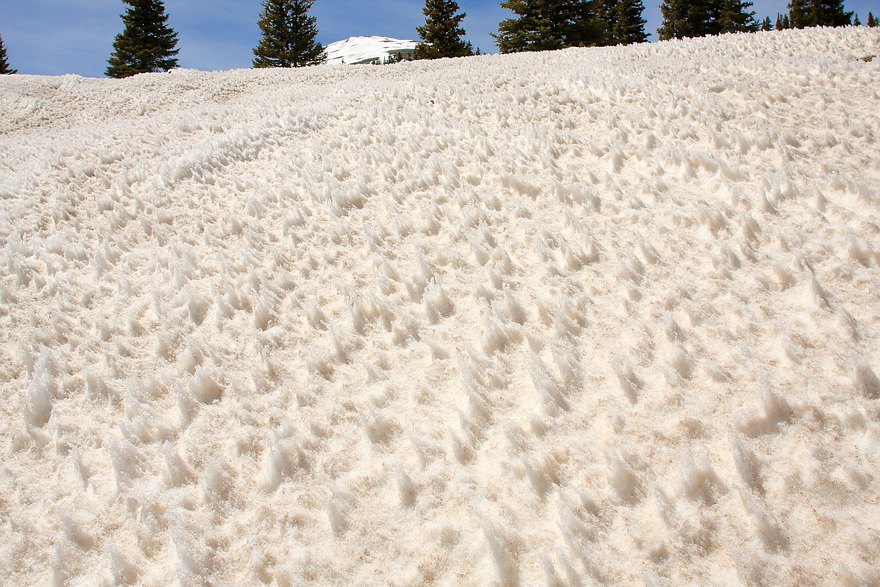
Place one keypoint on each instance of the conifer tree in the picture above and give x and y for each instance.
(146, 43)
(4, 63)
(545, 25)
(831, 13)
(872, 20)
(675, 20)
(686, 18)
(442, 33)
(629, 26)
(766, 25)
(798, 13)
(603, 11)
(622, 21)
(810, 13)
(698, 18)
(782, 22)
(289, 35)
(856, 21)
(736, 17)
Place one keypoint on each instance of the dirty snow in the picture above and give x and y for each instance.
(591, 316)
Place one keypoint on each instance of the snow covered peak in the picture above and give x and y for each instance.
(357, 50)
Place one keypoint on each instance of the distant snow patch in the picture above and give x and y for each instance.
(362, 50)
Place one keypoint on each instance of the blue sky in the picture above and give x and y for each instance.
(54, 37)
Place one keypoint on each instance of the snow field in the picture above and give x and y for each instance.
(591, 316)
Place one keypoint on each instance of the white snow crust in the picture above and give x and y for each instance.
(359, 50)
(598, 316)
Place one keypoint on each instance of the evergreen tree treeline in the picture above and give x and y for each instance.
(541, 25)
(289, 33)
(4, 63)
(699, 18)
(146, 44)
(809, 13)
(544, 25)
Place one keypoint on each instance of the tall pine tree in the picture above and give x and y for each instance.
(872, 20)
(688, 18)
(545, 25)
(699, 18)
(4, 63)
(831, 13)
(798, 13)
(442, 33)
(622, 21)
(289, 35)
(810, 13)
(766, 25)
(736, 17)
(146, 44)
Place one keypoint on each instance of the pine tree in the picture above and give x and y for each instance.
(545, 25)
(629, 27)
(766, 25)
(675, 22)
(4, 63)
(856, 21)
(289, 35)
(699, 18)
(798, 13)
(835, 14)
(736, 17)
(810, 13)
(604, 14)
(622, 21)
(146, 44)
(830, 13)
(783, 22)
(442, 33)
(872, 20)
(689, 18)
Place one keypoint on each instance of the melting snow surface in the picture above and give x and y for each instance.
(592, 316)
(356, 50)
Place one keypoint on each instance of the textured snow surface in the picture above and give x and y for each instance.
(355, 50)
(593, 316)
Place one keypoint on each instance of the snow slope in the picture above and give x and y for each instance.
(357, 50)
(592, 316)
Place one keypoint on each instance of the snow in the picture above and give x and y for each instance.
(378, 50)
(591, 316)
